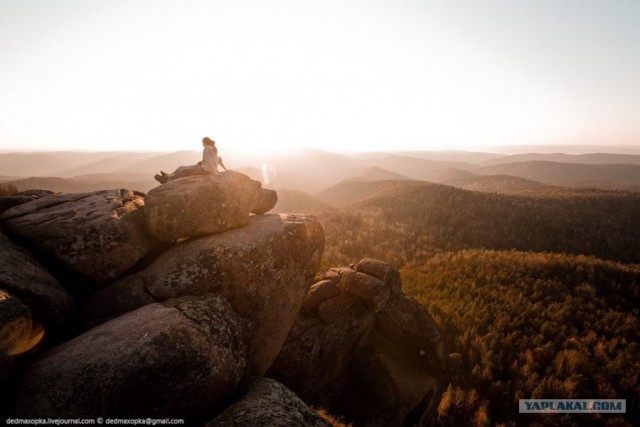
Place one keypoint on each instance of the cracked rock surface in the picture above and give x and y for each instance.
(99, 235)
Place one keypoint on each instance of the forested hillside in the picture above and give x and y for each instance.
(502, 184)
(522, 325)
(405, 222)
(542, 321)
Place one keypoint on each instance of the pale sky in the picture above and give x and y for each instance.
(158, 75)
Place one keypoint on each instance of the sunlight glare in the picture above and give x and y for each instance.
(268, 173)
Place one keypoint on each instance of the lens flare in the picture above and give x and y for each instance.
(269, 173)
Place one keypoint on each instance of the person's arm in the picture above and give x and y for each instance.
(222, 164)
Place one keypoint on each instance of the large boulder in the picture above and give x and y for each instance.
(27, 279)
(397, 369)
(268, 403)
(319, 346)
(263, 269)
(177, 359)
(362, 348)
(206, 204)
(266, 201)
(99, 235)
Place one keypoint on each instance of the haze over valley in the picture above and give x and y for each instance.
(313, 170)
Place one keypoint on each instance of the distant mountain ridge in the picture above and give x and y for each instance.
(571, 174)
(312, 170)
(591, 158)
(84, 183)
(60, 163)
(417, 168)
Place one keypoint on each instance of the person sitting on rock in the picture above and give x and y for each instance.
(208, 165)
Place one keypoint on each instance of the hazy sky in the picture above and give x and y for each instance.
(341, 75)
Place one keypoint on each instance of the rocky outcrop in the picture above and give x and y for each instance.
(34, 286)
(171, 360)
(268, 403)
(206, 204)
(7, 202)
(183, 333)
(263, 269)
(96, 238)
(363, 349)
(185, 324)
(99, 235)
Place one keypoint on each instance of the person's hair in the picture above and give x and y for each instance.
(208, 141)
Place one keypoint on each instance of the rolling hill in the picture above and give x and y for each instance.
(503, 184)
(350, 192)
(321, 168)
(446, 218)
(449, 156)
(34, 164)
(375, 173)
(609, 176)
(116, 163)
(85, 183)
(416, 168)
(166, 162)
(587, 159)
(448, 175)
(66, 164)
(473, 157)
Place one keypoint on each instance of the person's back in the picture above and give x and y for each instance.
(210, 159)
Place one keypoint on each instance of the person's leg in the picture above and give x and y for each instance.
(183, 171)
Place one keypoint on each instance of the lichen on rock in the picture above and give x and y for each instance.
(99, 235)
